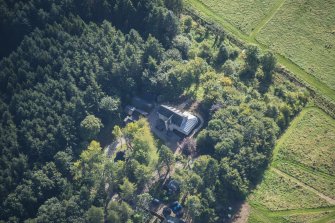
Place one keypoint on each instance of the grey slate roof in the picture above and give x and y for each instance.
(176, 118)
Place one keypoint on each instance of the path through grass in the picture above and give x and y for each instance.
(301, 184)
(268, 17)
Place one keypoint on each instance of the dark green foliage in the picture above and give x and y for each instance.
(20, 18)
(188, 24)
(51, 211)
(164, 25)
(183, 44)
(222, 55)
(206, 53)
(95, 215)
(175, 5)
(35, 188)
(51, 82)
(252, 60)
(119, 212)
(268, 61)
(73, 74)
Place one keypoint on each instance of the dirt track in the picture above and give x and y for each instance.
(243, 214)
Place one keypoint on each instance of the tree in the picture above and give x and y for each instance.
(206, 52)
(188, 146)
(182, 43)
(269, 62)
(90, 127)
(252, 58)
(193, 205)
(154, 49)
(222, 55)
(166, 159)
(63, 162)
(117, 133)
(51, 211)
(119, 212)
(143, 202)
(194, 183)
(232, 179)
(95, 215)
(91, 163)
(207, 168)
(175, 5)
(109, 104)
(127, 190)
(229, 68)
(188, 24)
(141, 143)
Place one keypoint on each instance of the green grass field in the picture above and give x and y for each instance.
(244, 16)
(310, 142)
(279, 193)
(299, 32)
(299, 186)
(314, 179)
(304, 32)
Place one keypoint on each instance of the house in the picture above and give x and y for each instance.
(174, 119)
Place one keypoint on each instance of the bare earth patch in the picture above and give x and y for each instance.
(243, 214)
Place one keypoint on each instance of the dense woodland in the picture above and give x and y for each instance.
(67, 70)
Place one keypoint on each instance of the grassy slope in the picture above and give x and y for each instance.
(326, 184)
(301, 30)
(280, 193)
(293, 192)
(310, 141)
(243, 16)
(208, 13)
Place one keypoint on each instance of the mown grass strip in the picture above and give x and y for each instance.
(326, 219)
(261, 215)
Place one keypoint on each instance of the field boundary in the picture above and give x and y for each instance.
(311, 189)
(292, 125)
(265, 215)
(304, 168)
(216, 24)
(288, 131)
(300, 211)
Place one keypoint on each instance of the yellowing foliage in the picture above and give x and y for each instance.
(226, 81)
(91, 161)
